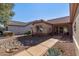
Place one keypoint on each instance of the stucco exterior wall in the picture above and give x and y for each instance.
(20, 29)
(28, 28)
(16, 29)
(76, 32)
(47, 28)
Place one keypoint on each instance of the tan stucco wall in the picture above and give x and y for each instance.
(16, 29)
(31, 27)
(28, 28)
(20, 29)
(76, 33)
(47, 28)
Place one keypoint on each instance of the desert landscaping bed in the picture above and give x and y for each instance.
(11, 46)
(65, 47)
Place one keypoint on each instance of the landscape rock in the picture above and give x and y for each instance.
(10, 44)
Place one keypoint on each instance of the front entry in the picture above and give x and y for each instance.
(60, 30)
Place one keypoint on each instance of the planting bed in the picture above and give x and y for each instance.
(11, 46)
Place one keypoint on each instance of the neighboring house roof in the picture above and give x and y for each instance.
(60, 20)
(41, 21)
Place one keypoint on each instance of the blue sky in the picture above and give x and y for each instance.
(27, 12)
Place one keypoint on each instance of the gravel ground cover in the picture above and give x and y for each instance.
(13, 45)
(67, 48)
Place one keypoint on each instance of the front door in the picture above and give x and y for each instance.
(60, 31)
(56, 30)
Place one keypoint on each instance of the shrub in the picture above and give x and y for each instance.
(8, 33)
(54, 52)
(28, 33)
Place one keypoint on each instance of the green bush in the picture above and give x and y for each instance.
(54, 52)
(28, 33)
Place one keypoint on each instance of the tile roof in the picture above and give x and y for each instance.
(65, 19)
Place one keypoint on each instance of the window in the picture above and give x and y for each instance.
(39, 28)
(75, 27)
(61, 29)
(65, 29)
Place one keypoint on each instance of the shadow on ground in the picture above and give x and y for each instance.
(32, 40)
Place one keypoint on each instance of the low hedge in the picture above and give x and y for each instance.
(28, 33)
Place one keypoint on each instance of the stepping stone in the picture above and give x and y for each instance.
(49, 43)
(23, 53)
(38, 50)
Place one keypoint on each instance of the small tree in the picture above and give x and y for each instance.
(6, 13)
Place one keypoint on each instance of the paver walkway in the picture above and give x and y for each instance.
(39, 49)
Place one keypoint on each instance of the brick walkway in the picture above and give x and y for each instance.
(39, 49)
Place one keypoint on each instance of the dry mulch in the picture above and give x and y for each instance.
(66, 47)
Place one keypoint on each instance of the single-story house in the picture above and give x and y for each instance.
(36, 27)
(18, 27)
(41, 27)
(61, 25)
(56, 26)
